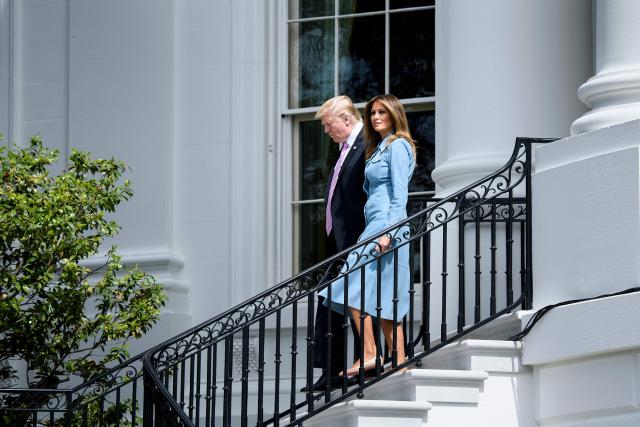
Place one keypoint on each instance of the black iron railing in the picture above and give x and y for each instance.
(243, 366)
(111, 399)
(470, 261)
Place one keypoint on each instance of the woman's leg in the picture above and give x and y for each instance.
(387, 330)
(369, 343)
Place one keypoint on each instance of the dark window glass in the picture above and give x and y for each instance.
(422, 127)
(318, 155)
(311, 62)
(412, 56)
(400, 4)
(299, 9)
(313, 237)
(360, 6)
(361, 57)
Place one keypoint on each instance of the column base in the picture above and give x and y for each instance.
(586, 205)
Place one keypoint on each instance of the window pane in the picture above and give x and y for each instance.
(412, 56)
(399, 4)
(310, 8)
(311, 63)
(313, 238)
(318, 154)
(422, 127)
(361, 57)
(360, 6)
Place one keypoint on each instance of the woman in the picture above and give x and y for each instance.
(390, 160)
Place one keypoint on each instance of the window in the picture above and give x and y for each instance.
(359, 48)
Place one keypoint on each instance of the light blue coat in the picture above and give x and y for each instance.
(387, 175)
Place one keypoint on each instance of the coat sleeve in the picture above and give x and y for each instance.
(400, 159)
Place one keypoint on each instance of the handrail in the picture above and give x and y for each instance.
(170, 361)
(110, 389)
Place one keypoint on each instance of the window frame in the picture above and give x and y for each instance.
(387, 12)
(291, 117)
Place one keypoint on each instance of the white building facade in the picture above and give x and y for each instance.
(211, 103)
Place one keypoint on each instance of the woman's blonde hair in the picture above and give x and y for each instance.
(398, 119)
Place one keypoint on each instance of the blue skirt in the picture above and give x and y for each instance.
(363, 279)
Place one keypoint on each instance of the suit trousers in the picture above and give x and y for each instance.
(321, 330)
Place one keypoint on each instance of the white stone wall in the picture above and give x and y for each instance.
(586, 364)
(178, 91)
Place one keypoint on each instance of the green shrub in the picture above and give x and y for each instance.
(61, 319)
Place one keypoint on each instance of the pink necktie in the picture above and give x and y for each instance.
(334, 180)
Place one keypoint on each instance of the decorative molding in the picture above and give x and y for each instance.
(460, 171)
(614, 97)
(613, 93)
(163, 265)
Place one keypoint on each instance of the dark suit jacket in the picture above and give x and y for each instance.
(348, 201)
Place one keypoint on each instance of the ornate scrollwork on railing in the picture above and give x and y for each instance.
(501, 182)
(113, 379)
(474, 197)
(489, 199)
(500, 212)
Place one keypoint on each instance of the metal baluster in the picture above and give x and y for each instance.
(478, 257)
(100, 410)
(426, 292)
(294, 355)
(443, 324)
(182, 379)
(191, 385)
(329, 342)
(214, 381)
(134, 402)
(198, 391)
(69, 414)
(159, 407)
(529, 232)
(118, 411)
(362, 317)
(228, 381)
(378, 315)
(493, 248)
(409, 340)
(244, 379)
(208, 397)
(509, 238)
(345, 338)
(277, 362)
(523, 271)
(260, 413)
(461, 295)
(394, 335)
(310, 349)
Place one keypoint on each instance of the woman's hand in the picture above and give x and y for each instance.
(383, 243)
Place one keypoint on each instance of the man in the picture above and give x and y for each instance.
(344, 222)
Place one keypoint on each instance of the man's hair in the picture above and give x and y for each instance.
(339, 106)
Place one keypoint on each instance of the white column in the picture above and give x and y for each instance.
(249, 149)
(613, 93)
(121, 104)
(505, 68)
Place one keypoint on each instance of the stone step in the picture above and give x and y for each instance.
(372, 413)
(478, 355)
(431, 385)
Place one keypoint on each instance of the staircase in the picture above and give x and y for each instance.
(470, 383)
(470, 263)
